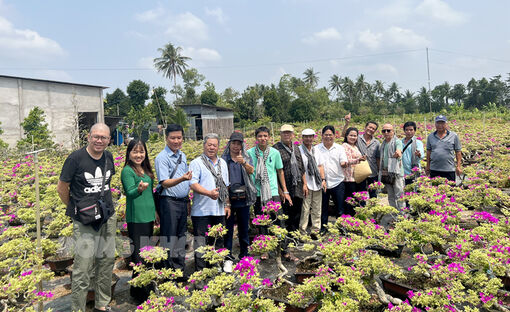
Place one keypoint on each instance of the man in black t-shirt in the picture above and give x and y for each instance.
(80, 186)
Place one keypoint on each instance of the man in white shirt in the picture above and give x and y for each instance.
(316, 182)
(333, 157)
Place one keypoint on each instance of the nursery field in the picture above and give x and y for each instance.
(449, 250)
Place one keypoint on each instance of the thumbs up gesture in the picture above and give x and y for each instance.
(214, 194)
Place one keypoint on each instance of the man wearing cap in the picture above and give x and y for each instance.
(315, 181)
(242, 194)
(293, 171)
(443, 146)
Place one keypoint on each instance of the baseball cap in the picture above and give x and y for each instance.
(441, 118)
(308, 132)
(236, 136)
(287, 128)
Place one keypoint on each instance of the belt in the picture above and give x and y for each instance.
(181, 199)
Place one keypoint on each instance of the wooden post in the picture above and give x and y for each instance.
(38, 248)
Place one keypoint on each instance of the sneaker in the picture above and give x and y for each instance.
(227, 266)
(313, 236)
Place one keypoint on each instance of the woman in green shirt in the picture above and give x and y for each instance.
(137, 180)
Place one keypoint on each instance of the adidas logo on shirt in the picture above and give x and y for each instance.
(96, 181)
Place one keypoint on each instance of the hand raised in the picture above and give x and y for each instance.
(187, 176)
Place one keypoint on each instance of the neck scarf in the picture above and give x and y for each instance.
(312, 168)
(261, 175)
(294, 168)
(251, 191)
(218, 179)
(393, 163)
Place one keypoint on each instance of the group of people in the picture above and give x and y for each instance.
(302, 177)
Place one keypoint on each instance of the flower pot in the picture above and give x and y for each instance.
(305, 269)
(279, 295)
(506, 282)
(59, 264)
(395, 288)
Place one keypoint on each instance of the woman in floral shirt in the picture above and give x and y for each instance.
(353, 158)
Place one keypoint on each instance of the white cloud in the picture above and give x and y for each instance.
(405, 38)
(201, 55)
(326, 34)
(152, 15)
(397, 11)
(369, 39)
(441, 11)
(385, 68)
(187, 28)
(391, 38)
(26, 44)
(218, 14)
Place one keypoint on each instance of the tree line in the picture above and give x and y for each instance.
(295, 99)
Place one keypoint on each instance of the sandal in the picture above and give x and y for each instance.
(264, 256)
(289, 257)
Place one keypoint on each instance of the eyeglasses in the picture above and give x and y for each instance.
(386, 130)
(98, 137)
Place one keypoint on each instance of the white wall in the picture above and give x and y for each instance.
(18, 96)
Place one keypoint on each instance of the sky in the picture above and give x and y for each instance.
(240, 43)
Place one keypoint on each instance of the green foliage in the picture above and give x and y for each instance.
(139, 120)
(138, 93)
(3, 145)
(117, 103)
(209, 95)
(34, 126)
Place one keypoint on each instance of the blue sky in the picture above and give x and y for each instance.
(240, 43)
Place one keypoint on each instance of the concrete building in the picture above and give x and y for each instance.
(68, 107)
(205, 119)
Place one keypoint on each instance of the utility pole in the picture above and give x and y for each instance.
(428, 73)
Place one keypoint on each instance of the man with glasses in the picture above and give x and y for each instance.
(391, 172)
(83, 174)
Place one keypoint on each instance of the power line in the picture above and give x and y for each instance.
(221, 66)
(469, 55)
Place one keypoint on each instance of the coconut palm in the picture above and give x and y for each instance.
(171, 62)
(335, 84)
(311, 77)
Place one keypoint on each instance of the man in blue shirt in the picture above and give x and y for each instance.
(211, 204)
(443, 146)
(413, 152)
(173, 175)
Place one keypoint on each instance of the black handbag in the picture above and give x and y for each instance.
(89, 212)
(237, 191)
(388, 179)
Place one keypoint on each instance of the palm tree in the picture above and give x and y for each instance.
(361, 87)
(348, 89)
(378, 88)
(335, 84)
(311, 77)
(171, 62)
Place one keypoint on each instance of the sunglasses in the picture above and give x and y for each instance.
(385, 130)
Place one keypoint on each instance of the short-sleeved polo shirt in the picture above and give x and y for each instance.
(331, 159)
(165, 163)
(442, 151)
(273, 163)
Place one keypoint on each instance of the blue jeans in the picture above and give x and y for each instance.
(242, 216)
(337, 193)
(173, 221)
